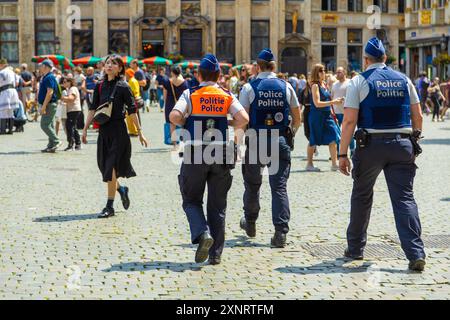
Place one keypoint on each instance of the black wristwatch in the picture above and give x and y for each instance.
(342, 156)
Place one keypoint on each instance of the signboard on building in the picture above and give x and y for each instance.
(330, 18)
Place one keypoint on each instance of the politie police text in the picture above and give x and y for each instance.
(270, 99)
(390, 89)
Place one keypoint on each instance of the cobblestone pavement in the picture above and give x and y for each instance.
(53, 247)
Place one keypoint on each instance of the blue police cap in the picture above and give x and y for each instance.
(266, 55)
(210, 62)
(375, 48)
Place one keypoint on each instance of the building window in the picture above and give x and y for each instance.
(300, 27)
(329, 5)
(45, 37)
(153, 43)
(119, 34)
(354, 49)
(426, 4)
(355, 5)
(329, 40)
(401, 6)
(383, 4)
(9, 41)
(260, 37)
(191, 44)
(416, 5)
(83, 40)
(225, 41)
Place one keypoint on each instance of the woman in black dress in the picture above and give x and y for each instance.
(114, 145)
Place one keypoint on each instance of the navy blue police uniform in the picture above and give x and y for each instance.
(206, 107)
(269, 112)
(384, 97)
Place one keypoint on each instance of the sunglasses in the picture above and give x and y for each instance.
(322, 70)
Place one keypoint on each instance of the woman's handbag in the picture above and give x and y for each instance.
(103, 113)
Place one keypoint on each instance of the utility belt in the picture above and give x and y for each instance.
(8, 86)
(288, 134)
(230, 151)
(363, 138)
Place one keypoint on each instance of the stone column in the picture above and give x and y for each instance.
(136, 12)
(208, 10)
(434, 12)
(25, 12)
(421, 62)
(342, 48)
(63, 26)
(243, 10)
(173, 11)
(277, 21)
(408, 11)
(101, 28)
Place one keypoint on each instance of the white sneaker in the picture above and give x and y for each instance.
(312, 169)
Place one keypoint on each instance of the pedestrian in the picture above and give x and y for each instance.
(302, 82)
(294, 81)
(199, 122)
(234, 81)
(9, 99)
(338, 91)
(323, 128)
(27, 79)
(436, 96)
(20, 118)
(61, 114)
(48, 97)
(423, 83)
(89, 85)
(269, 101)
(446, 93)
(383, 103)
(113, 144)
(174, 88)
(72, 100)
(135, 89)
(305, 102)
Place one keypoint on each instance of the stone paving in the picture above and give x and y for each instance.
(53, 247)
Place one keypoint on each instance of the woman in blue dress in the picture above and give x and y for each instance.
(323, 127)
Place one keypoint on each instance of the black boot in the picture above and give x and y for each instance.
(278, 240)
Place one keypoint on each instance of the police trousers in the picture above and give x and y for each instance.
(252, 173)
(395, 157)
(193, 179)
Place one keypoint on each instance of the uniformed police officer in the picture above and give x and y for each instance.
(383, 103)
(270, 101)
(203, 112)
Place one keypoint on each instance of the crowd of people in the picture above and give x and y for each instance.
(255, 97)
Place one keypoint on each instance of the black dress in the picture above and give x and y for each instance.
(113, 144)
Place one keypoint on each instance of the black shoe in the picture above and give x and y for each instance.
(417, 265)
(278, 240)
(49, 150)
(249, 227)
(214, 261)
(69, 148)
(206, 242)
(124, 197)
(106, 213)
(347, 254)
(78, 147)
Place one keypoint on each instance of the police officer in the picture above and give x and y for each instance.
(270, 102)
(203, 112)
(383, 103)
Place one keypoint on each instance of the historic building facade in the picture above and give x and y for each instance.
(301, 32)
(427, 35)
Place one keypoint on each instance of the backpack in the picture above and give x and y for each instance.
(148, 79)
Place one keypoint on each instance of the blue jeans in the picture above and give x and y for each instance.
(340, 118)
